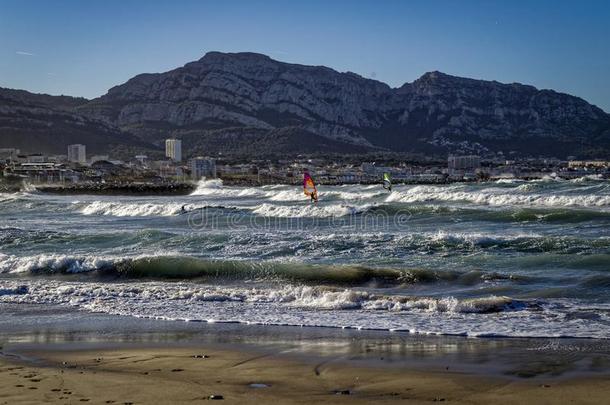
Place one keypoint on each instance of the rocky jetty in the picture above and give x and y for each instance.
(121, 189)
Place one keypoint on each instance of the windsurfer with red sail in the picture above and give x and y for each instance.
(309, 187)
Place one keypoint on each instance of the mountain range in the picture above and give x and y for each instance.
(250, 104)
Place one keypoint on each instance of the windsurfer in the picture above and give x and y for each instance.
(309, 187)
(387, 182)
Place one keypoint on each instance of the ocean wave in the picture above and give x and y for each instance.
(308, 211)
(283, 193)
(320, 298)
(300, 305)
(8, 197)
(204, 185)
(146, 209)
(34, 240)
(215, 188)
(459, 242)
(17, 236)
(508, 181)
(357, 194)
(588, 178)
(584, 252)
(600, 281)
(495, 214)
(552, 215)
(121, 209)
(325, 209)
(53, 263)
(497, 198)
(298, 296)
(186, 268)
(286, 195)
(17, 198)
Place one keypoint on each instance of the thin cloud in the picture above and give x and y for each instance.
(24, 53)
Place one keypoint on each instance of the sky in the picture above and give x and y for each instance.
(83, 48)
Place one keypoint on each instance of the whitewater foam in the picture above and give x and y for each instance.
(51, 263)
(319, 210)
(215, 188)
(142, 209)
(315, 306)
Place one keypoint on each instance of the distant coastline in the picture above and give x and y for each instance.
(187, 187)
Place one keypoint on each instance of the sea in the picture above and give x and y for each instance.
(509, 258)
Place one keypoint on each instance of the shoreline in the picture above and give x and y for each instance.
(27, 326)
(57, 354)
(172, 374)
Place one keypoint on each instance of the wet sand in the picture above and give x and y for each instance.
(141, 375)
(50, 355)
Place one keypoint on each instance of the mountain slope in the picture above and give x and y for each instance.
(43, 123)
(450, 110)
(246, 90)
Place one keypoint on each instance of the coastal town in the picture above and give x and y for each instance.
(77, 170)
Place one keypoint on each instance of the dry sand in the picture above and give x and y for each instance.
(187, 375)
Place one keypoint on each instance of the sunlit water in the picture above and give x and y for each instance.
(508, 258)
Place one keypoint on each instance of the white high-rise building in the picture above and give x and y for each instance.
(77, 153)
(173, 149)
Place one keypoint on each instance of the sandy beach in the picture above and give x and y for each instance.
(186, 375)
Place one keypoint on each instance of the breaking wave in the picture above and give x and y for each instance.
(120, 209)
(300, 305)
(325, 298)
(497, 197)
(186, 268)
(311, 210)
(330, 210)
(53, 263)
(215, 188)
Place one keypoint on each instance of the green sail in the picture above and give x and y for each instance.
(387, 181)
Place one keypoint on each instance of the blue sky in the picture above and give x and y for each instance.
(83, 48)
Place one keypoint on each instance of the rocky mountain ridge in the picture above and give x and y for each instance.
(250, 103)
